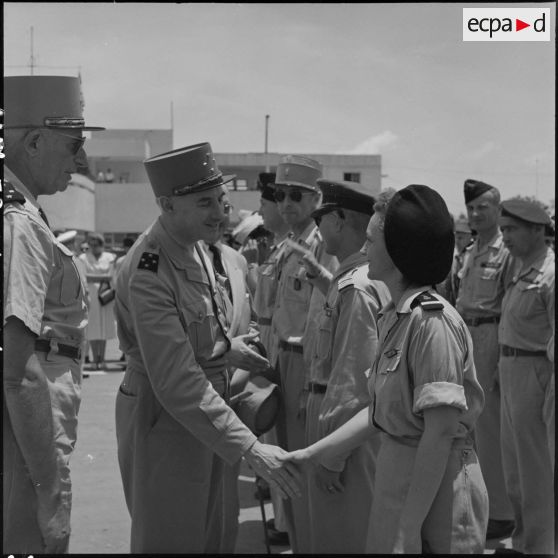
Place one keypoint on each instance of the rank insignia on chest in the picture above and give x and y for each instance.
(493, 265)
(149, 261)
(297, 284)
(328, 311)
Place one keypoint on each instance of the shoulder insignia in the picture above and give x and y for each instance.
(149, 261)
(11, 195)
(346, 281)
(427, 302)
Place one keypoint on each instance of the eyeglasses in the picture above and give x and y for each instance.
(318, 218)
(294, 195)
(77, 142)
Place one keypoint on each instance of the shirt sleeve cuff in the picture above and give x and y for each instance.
(436, 394)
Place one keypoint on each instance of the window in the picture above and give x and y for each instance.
(240, 184)
(351, 176)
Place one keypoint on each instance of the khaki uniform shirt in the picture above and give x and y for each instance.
(297, 299)
(483, 278)
(42, 285)
(172, 325)
(346, 342)
(265, 299)
(528, 307)
(425, 359)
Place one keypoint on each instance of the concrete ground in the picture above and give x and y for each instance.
(100, 520)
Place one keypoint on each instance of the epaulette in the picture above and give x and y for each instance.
(11, 195)
(427, 301)
(149, 261)
(346, 281)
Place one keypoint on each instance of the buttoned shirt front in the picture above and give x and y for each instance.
(346, 341)
(425, 360)
(483, 278)
(42, 285)
(296, 297)
(528, 307)
(172, 324)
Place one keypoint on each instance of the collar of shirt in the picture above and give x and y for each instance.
(181, 256)
(350, 262)
(496, 243)
(306, 236)
(404, 304)
(537, 266)
(20, 187)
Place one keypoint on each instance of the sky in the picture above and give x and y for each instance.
(392, 79)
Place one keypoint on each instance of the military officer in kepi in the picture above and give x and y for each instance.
(45, 314)
(174, 427)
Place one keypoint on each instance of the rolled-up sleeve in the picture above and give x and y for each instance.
(436, 356)
(28, 265)
(178, 381)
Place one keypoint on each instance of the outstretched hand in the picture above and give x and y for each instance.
(270, 463)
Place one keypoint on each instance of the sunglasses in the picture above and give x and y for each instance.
(77, 142)
(294, 195)
(318, 218)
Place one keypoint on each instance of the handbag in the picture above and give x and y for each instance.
(105, 293)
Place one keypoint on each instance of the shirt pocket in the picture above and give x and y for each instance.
(267, 283)
(198, 320)
(487, 283)
(325, 334)
(70, 281)
(298, 288)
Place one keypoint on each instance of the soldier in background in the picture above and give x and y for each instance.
(340, 496)
(526, 336)
(486, 271)
(45, 315)
(293, 321)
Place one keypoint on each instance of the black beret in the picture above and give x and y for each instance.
(266, 182)
(475, 188)
(526, 210)
(418, 232)
(344, 195)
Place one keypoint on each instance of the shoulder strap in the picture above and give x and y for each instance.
(427, 301)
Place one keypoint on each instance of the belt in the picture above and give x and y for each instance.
(317, 388)
(44, 346)
(512, 351)
(290, 347)
(478, 321)
(264, 321)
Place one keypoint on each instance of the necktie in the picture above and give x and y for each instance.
(220, 268)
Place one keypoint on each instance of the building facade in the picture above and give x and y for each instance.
(124, 205)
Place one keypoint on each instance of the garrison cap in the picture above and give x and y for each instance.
(44, 102)
(418, 232)
(475, 188)
(266, 181)
(296, 170)
(526, 210)
(186, 170)
(344, 195)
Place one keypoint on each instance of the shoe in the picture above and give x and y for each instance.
(85, 375)
(275, 537)
(499, 528)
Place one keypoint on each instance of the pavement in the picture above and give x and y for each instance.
(100, 519)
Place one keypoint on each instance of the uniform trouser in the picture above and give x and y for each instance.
(231, 507)
(525, 383)
(339, 521)
(173, 483)
(21, 533)
(270, 437)
(487, 428)
(457, 520)
(291, 435)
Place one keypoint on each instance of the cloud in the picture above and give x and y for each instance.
(374, 144)
(483, 150)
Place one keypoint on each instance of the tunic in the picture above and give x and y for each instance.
(174, 429)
